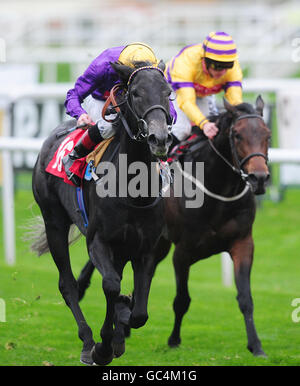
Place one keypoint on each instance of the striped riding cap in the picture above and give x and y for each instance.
(137, 52)
(220, 46)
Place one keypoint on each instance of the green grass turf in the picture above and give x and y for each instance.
(40, 329)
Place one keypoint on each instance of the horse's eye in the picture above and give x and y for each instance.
(169, 91)
(172, 95)
(135, 94)
(238, 136)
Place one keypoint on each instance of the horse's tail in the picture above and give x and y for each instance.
(36, 234)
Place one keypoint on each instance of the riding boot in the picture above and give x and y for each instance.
(84, 146)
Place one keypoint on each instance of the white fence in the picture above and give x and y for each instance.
(9, 145)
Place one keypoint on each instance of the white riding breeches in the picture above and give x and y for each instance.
(182, 128)
(94, 108)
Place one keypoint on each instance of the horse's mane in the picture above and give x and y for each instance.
(224, 119)
(134, 65)
(139, 64)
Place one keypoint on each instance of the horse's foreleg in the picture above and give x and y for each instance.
(121, 321)
(103, 259)
(143, 269)
(143, 278)
(57, 236)
(242, 256)
(182, 300)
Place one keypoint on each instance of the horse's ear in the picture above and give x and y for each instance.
(259, 105)
(230, 108)
(122, 70)
(161, 65)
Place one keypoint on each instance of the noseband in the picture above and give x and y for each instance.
(238, 168)
(142, 126)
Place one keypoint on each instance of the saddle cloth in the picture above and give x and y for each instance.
(179, 149)
(56, 167)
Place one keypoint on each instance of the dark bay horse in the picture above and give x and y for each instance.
(120, 229)
(235, 169)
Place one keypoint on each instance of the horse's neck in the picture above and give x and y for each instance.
(135, 151)
(136, 155)
(218, 176)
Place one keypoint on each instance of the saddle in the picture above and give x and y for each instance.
(96, 155)
(79, 166)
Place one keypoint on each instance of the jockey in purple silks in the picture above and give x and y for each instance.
(86, 100)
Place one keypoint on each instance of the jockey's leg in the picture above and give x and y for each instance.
(208, 105)
(84, 146)
(180, 131)
(182, 128)
(93, 135)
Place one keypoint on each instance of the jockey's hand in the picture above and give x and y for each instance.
(210, 129)
(84, 119)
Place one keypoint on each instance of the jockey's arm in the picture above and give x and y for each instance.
(84, 86)
(234, 95)
(233, 85)
(186, 99)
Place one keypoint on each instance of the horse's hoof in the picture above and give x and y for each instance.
(257, 351)
(99, 358)
(174, 342)
(260, 353)
(86, 358)
(138, 321)
(119, 349)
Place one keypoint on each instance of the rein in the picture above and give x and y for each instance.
(201, 186)
(111, 100)
(238, 168)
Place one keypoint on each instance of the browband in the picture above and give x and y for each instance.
(143, 68)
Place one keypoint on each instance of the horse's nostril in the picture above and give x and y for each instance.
(160, 140)
(259, 177)
(152, 140)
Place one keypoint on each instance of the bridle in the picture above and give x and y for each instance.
(142, 132)
(238, 164)
(111, 106)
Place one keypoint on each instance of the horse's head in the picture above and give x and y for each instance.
(249, 139)
(148, 95)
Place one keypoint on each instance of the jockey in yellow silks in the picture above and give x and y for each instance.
(198, 72)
